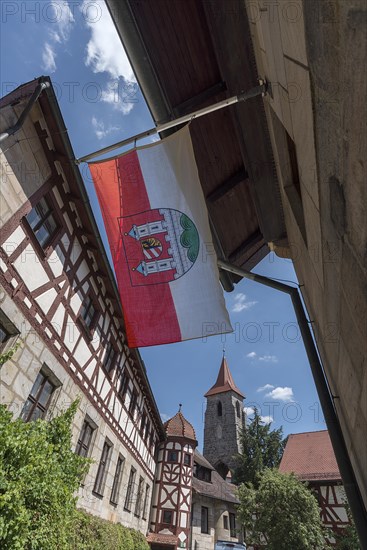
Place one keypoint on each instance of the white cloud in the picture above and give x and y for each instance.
(60, 14)
(241, 303)
(266, 419)
(265, 388)
(268, 358)
(165, 417)
(48, 58)
(60, 18)
(100, 129)
(105, 52)
(119, 100)
(249, 410)
(251, 355)
(281, 394)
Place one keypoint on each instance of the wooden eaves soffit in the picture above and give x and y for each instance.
(187, 55)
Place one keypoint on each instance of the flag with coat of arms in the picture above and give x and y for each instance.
(158, 230)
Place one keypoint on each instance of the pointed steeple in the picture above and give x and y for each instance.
(224, 381)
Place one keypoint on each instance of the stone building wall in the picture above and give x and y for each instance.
(316, 117)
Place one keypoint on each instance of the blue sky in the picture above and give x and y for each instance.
(76, 44)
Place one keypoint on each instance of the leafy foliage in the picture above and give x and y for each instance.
(282, 513)
(4, 357)
(39, 474)
(347, 539)
(90, 532)
(261, 447)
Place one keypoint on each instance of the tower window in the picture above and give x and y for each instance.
(238, 410)
(167, 517)
(219, 408)
(187, 459)
(172, 456)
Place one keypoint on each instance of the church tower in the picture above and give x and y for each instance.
(224, 419)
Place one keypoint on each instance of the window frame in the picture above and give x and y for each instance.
(44, 250)
(170, 512)
(130, 490)
(204, 523)
(225, 523)
(87, 422)
(139, 497)
(89, 328)
(187, 459)
(103, 467)
(110, 348)
(48, 377)
(169, 453)
(145, 505)
(117, 478)
(232, 524)
(10, 330)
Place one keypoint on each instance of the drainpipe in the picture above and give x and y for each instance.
(332, 422)
(32, 100)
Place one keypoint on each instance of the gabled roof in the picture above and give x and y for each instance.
(217, 488)
(224, 381)
(178, 426)
(311, 457)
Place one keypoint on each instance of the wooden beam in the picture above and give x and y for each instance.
(227, 185)
(199, 99)
(251, 241)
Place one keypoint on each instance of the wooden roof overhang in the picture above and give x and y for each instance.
(192, 53)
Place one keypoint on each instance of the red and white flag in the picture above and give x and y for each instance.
(157, 226)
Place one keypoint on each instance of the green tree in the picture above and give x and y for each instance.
(347, 538)
(261, 447)
(281, 514)
(39, 474)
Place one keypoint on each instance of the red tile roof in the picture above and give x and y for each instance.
(311, 457)
(178, 426)
(160, 538)
(224, 381)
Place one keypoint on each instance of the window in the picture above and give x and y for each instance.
(103, 468)
(187, 459)
(219, 408)
(172, 456)
(130, 489)
(124, 382)
(115, 493)
(167, 517)
(8, 332)
(139, 497)
(146, 499)
(238, 409)
(133, 401)
(43, 222)
(225, 523)
(88, 312)
(232, 524)
(85, 438)
(143, 424)
(204, 519)
(40, 397)
(200, 472)
(147, 428)
(109, 358)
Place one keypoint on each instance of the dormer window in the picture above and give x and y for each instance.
(219, 408)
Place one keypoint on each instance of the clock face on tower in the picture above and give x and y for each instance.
(219, 431)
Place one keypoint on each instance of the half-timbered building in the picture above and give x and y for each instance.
(311, 457)
(59, 302)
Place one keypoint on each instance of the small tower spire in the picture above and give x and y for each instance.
(179, 407)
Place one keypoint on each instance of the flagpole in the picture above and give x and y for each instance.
(326, 398)
(261, 89)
